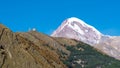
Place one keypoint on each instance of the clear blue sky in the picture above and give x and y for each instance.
(47, 15)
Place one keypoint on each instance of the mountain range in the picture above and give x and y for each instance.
(75, 44)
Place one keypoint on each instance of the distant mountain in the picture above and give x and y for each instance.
(36, 50)
(75, 28)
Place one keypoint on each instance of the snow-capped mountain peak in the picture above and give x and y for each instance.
(72, 19)
(77, 29)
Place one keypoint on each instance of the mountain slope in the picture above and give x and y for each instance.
(110, 46)
(84, 56)
(75, 28)
(36, 50)
(17, 51)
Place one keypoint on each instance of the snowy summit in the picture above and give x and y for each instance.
(75, 28)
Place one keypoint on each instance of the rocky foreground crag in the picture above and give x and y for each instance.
(24, 50)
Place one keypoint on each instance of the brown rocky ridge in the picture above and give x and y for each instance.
(26, 50)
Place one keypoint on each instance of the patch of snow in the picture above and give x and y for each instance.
(64, 24)
(72, 19)
(61, 27)
(86, 31)
(97, 41)
(76, 28)
(116, 48)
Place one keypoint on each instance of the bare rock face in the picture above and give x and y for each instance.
(17, 51)
(77, 29)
